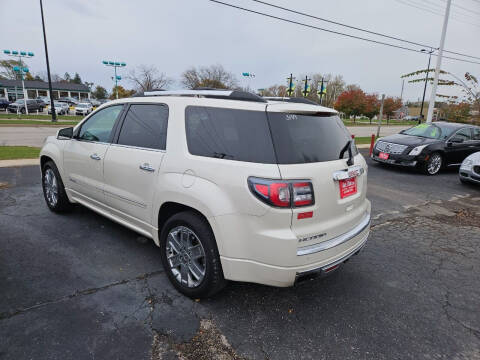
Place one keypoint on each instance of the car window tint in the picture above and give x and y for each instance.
(476, 134)
(145, 126)
(229, 134)
(464, 134)
(99, 126)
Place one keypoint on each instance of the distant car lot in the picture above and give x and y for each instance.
(86, 287)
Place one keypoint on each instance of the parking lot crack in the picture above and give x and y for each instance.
(90, 291)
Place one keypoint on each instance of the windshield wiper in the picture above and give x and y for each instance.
(350, 155)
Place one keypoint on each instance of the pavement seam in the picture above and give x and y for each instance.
(10, 314)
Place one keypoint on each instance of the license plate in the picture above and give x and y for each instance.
(383, 156)
(348, 187)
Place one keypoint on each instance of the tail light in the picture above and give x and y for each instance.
(287, 194)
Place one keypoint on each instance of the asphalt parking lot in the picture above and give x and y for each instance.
(79, 286)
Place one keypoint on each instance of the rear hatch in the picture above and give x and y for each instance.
(308, 142)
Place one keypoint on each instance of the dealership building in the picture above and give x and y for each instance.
(13, 90)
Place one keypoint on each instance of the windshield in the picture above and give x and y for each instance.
(429, 131)
(300, 138)
(82, 105)
(56, 103)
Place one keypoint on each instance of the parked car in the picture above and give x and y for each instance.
(83, 108)
(230, 187)
(95, 102)
(70, 101)
(411, 118)
(429, 147)
(41, 103)
(103, 101)
(4, 103)
(19, 106)
(470, 169)
(61, 108)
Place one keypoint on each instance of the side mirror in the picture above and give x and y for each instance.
(66, 133)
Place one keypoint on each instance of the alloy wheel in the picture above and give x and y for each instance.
(186, 256)
(434, 164)
(51, 187)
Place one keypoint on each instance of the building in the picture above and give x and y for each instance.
(12, 89)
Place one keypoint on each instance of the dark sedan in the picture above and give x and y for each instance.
(4, 103)
(429, 147)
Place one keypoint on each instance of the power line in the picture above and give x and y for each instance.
(463, 8)
(432, 11)
(359, 29)
(331, 31)
(454, 11)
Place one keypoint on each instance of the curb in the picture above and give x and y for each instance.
(35, 125)
(19, 162)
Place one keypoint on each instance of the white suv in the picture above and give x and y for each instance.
(228, 185)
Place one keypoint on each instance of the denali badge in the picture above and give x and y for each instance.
(310, 238)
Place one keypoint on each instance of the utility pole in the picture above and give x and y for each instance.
(433, 96)
(401, 92)
(306, 89)
(426, 80)
(322, 90)
(380, 116)
(291, 87)
(52, 105)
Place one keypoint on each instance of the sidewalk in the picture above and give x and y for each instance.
(19, 162)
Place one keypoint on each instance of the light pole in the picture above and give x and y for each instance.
(426, 80)
(21, 70)
(116, 78)
(248, 75)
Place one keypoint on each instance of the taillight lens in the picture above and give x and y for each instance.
(290, 193)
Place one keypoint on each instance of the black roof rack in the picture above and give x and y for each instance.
(297, 100)
(211, 93)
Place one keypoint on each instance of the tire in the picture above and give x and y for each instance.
(22, 110)
(201, 253)
(56, 201)
(433, 165)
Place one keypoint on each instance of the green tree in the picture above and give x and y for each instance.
(76, 79)
(100, 92)
(122, 92)
(6, 69)
(67, 77)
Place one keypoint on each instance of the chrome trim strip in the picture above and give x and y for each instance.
(137, 148)
(139, 204)
(336, 262)
(350, 172)
(325, 245)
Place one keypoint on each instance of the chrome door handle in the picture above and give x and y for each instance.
(95, 157)
(146, 167)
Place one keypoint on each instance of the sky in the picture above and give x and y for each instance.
(174, 35)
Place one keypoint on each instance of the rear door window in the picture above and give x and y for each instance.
(229, 134)
(300, 138)
(145, 126)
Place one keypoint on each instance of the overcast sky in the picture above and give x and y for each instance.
(176, 34)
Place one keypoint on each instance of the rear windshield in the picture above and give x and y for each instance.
(302, 139)
(229, 134)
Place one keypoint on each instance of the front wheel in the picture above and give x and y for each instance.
(53, 189)
(433, 165)
(190, 256)
(22, 110)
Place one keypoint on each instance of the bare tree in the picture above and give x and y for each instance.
(214, 76)
(147, 78)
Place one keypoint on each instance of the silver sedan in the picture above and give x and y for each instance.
(470, 169)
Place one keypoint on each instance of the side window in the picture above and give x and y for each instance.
(476, 134)
(145, 126)
(99, 126)
(229, 134)
(465, 134)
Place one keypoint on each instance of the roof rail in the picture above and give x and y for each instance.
(210, 93)
(296, 100)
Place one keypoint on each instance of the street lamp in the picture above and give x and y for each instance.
(116, 78)
(426, 79)
(21, 70)
(248, 75)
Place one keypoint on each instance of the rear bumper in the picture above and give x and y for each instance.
(319, 262)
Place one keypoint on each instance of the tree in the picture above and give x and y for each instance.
(66, 77)
(275, 91)
(147, 78)
(122, 92)
(6, 69)
(391, 104)
(76, 79)
(372, 106)
(456, 112)
(100, 92)
(351, 102)
(214, 76)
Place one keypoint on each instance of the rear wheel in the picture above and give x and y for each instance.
(190, 256)
(22, 110)
(433, 165)
(53, 189)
